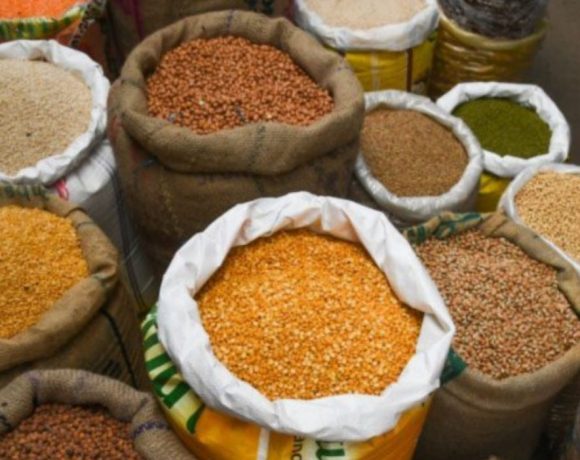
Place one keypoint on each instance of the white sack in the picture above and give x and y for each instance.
(392, 37)
(508, 204)
(49, 170)
(337, 418)
(528, 95)
(412, 210)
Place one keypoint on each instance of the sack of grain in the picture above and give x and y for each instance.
(416, 160)
(54, 125)
(297, 408)
(133, 21)
(88, 414)
(462, 56)
(517, 341)
(388, 43)
(517, 125)
(177, 181)
(65, 305)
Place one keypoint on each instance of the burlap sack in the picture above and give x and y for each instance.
(474, 416)
(94, 326)
(177, 182)
(151, 434)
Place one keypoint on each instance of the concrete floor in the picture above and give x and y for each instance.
(557, 67)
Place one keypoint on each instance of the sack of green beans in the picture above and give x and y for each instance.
(416, 160)
(67, 413)
(388, 43)
(63, 304)
(515, 303)
(223, 108)
(53, 134)
(517, 125)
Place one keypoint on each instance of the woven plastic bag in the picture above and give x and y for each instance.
(397, 56)
(500, 170)
(405, 211)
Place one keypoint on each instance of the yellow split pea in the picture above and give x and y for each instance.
(300, 315)
(40, 259)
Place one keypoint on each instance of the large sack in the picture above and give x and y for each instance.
(500, 170)
(94, 326)
(474, 416)
(176, 182)
(152, 437)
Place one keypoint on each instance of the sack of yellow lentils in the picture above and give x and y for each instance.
(297, 327)
(63, 304)
(388, 43)
(517, 126)
(515, 302)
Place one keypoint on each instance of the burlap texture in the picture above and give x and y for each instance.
(474, 416)
(177, 182)
(151, 434)
(94, 326)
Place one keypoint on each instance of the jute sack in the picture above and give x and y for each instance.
(94, 326)
(177, 182)
(152, 437)
(474, 416)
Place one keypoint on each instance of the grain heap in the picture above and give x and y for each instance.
(511, 318)
(220, 83)
(506, 127)
(302, 316)
(43, 109)
(366, 14)
(550, 205)
(18, 9)
(411, 154)
(57, 431)
(40, 259)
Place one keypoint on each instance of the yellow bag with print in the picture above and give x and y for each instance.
(397, 56)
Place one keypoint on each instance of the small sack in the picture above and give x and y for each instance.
(396, 56)
(405, 211)
(498, 170)
(152, 436)
(462, 56)
(475, 416)
(94, 326)
(177, 182)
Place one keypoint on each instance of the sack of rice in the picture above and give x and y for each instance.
(62, 302)
(517, 126)
(415, 160)
(388, 43)
(223, 108)
(515, 302)
(54, 120)
(56, 414)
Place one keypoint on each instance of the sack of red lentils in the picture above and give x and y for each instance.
(517, 125)
(240, 134)
(63, 302)
(272, 331)
(388, 43)
(88, 415)
(515, 302)
(53, 134)
(416, 160)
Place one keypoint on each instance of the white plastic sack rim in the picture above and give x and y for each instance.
(394, 37)
(51, 169)
(337, 418)
(528, 95)
(420, 209)
(508, 203)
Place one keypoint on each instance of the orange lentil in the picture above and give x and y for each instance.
(18, 9)
(40, 259)
(300, 315)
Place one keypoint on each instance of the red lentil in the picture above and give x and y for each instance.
(18, 9)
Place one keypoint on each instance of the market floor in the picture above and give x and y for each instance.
(557, 67)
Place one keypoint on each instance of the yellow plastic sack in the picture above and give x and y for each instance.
(491, 189)
(462, 56)
(211, 435)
